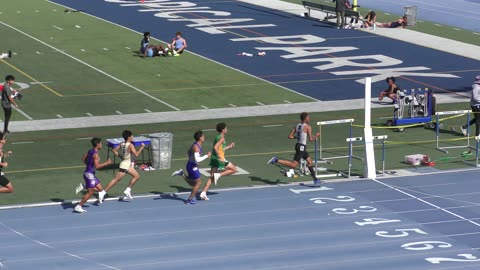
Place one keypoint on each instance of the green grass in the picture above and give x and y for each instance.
(427, 27)
(55, 168)
(86, 90)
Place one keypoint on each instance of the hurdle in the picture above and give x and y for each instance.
(437, 129)
(477, 149)
(353, 140)
(319, 155)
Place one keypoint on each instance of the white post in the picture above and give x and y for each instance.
(370, 170)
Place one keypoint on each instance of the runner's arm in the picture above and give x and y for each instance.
(308, 129)
(292, 134)
(197, 156)
(134, 151)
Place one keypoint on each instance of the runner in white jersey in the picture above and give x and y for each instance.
(301, 132)
(126, 166)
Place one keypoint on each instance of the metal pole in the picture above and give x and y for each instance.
(468, 129)
(383, 157)
(437, 129)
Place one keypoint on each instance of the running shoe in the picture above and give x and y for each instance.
(101, 196)
(273, 160)
(203, 196)
(79, 209)
(216, 176)
(191, 202)
(79, 188)
(178, 173)
(464, 131)
(128, 194)
(317, 182)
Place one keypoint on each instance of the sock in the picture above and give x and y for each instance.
(128, 189)
(312, 172)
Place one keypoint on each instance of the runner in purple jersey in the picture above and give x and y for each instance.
(194, 157)
(92, 162)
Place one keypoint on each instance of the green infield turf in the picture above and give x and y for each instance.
(46, 166)
(80, 65)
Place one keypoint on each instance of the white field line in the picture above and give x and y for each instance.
(58, 28)
(24, 114)
(211, 60)
(90, 66)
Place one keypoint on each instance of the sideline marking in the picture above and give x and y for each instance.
(59, 116)
(37, 52)
(21, 142)
(40, 82)
(209, 129)
(89, 114)
(299, 191)
(260, 103)
(286, 101)
(128, 48)
(475, 33)
(201, 56)
(437, 24)
(118, 112)
(90, 66)
(30, 77)
(206, 171)
(24, 114)
(147, 110)
(232, 105)
(83, 50)
(205, 107)
(457, 29)
(268, 126)
(84, 138)
(105, 49)
(56, 27)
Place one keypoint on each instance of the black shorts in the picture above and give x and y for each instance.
(300, 152)
(4, 181)
(123, 170)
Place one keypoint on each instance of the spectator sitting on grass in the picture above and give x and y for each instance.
(144, 44)
(153, 51)
(391, 91)
(402, 22)
(370, 19)
(178, 44)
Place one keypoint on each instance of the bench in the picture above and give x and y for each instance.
(328, 10)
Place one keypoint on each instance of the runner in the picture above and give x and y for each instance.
(219, 165)
(126, 166)
(301, 132)
(194, 178)
(92, 162)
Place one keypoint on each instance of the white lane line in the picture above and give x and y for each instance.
(458, 29)
(40, 82)
(205, 107)
(147, 110)
(232, 105)
(89, 114)
(286, 101)
(428, 203)
(84, 138)
(260, 103)
(24, 114)
(438, 24)
(209, 129)
(58, 28)
(90, 66)
(52, 248)
(59, 116)
(118, 112)
(269, 126)
(199, 55)
(21, 142)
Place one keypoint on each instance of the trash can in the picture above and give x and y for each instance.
(411, 13)
(162, 144)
